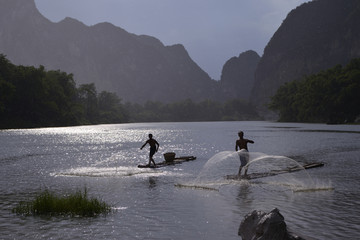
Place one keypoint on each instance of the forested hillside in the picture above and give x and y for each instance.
(34, 97)
(190, 111)
(331, 96)
(315, 36)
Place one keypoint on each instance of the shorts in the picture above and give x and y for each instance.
(152, 151)
(244, 157)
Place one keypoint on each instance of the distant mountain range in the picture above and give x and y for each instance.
(315, 36)
(237, 76)
(137, 68)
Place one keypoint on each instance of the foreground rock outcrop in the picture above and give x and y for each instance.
(259, 225)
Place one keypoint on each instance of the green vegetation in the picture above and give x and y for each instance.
(33, 97)
(330, 96)
(189, 111)
(77, 204)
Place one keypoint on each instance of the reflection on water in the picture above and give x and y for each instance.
(179, 202)
(114, 172)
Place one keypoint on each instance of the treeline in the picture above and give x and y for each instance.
(330, 96)
(33, 97)
(189, 111)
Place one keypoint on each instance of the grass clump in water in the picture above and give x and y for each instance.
(77, 204)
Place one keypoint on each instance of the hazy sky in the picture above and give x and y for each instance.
(212, 31)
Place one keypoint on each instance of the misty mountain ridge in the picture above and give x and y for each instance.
(315, 36)
(237, 76)
(137, 67)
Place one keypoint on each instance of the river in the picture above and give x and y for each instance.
(192, 200)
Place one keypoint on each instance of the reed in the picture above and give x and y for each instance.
(77, 204)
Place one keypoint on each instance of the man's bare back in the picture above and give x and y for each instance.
(242, 142)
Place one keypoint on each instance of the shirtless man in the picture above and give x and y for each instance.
(241, 144)
(154, 147)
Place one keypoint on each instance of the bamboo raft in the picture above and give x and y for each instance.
(275, 172)
(170, 160)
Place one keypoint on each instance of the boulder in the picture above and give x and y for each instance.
(259, 225)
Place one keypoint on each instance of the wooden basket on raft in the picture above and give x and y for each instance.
(169, 156)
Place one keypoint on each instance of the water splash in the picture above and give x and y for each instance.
(211, 177)
(315, 186)
(284, 172)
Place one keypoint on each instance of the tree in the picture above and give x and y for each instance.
(87, 97)
(34, 97)
(110, 108)
(329, 96)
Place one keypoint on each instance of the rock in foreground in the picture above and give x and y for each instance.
(259, 225)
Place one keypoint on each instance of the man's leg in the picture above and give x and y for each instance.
(247, 158)
(151, 158)
(153, 161)
(242, 163)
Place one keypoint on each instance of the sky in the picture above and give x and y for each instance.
(212, 31)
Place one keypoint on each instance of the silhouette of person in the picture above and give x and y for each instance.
(241, 144)
(154, 147)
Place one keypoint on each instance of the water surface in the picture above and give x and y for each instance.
(147, 202)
